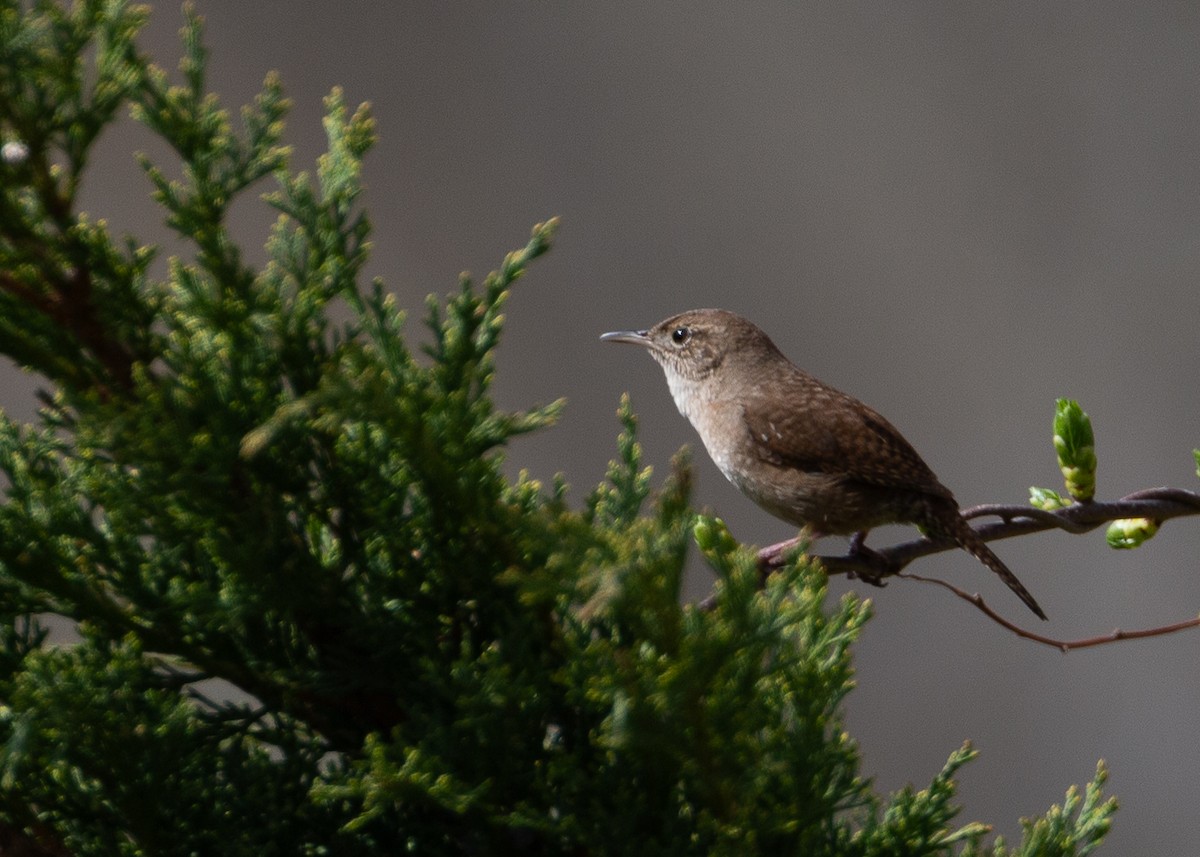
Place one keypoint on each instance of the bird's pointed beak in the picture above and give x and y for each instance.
(637, 337)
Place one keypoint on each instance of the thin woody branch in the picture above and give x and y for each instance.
(1064, 646)
(1157, 504)
(69, 303)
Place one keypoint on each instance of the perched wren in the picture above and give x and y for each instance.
(800, 449)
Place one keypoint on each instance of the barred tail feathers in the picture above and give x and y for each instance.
(954, 527)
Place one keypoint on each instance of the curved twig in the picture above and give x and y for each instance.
(1157, 504)
(1064, 646)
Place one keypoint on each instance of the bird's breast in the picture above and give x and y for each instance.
(719, 424)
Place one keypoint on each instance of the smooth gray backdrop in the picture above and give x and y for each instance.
(957, 212)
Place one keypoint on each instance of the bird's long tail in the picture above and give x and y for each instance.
(965, 536)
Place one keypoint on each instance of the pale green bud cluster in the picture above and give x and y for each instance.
(1075, 445)
(1047, 500)
(1130, 533)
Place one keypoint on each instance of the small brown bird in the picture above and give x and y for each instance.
(800, 449)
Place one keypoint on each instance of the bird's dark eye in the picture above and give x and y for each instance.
(681, 335)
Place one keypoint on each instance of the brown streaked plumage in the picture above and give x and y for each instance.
(800, 449)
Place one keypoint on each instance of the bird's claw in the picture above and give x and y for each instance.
(878, 566)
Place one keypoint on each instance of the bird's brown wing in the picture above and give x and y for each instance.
(836, 434)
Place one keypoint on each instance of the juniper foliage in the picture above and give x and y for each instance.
(416, 653)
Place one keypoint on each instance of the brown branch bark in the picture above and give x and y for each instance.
(1157, 504)
(1064, 646)
(67, 296)
(70, 305)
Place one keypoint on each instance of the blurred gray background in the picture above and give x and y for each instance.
(957, 212)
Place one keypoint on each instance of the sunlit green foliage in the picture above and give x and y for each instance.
(414, 652)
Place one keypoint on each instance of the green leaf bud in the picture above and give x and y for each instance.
(1047, 500)
(1130, 533)
(1074, 444)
